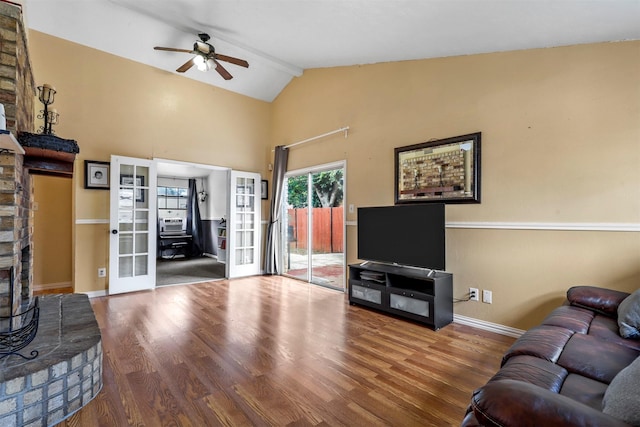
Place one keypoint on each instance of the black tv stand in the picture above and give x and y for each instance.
(422, 295)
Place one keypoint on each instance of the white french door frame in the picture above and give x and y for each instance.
(132, 230)
(244, 222)
(244, 260)
(342, 164)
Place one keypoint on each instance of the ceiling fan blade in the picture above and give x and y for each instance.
(184, 67)
(172, 49)
(232, 60)
(222, 71)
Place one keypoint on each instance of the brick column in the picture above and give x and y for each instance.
(17, 93)
(15, 230)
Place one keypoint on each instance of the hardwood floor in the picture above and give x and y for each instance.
(269, 350)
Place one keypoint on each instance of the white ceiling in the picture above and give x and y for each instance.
(176, 169)
(282, 38)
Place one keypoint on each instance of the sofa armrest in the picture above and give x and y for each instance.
(601, 300)
(517, 403)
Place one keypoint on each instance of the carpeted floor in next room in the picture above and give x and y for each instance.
(188, 270)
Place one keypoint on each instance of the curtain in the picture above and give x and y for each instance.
(194, 222)
(273, 256)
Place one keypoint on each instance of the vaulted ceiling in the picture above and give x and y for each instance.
(282, 38)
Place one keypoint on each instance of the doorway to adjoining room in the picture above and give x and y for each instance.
(313, 213)
(191, 214)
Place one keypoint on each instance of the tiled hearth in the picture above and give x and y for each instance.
(67, 373)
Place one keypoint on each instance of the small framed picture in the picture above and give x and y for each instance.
(96, 175)
(264, 189)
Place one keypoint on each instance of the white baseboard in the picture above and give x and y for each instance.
(95, 294)
(47, 286)
(488, 326)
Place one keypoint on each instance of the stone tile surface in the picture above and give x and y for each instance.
(66, 328)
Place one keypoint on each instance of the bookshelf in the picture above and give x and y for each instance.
(222, 241)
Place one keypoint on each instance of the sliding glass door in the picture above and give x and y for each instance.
(313, 213)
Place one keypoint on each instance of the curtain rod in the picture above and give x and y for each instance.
(343, 129)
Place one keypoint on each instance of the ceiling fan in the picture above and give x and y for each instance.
(206, 57)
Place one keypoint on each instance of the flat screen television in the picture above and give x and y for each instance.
(409, 235)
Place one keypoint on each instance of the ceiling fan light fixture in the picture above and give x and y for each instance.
(200, 62)
(205, 58)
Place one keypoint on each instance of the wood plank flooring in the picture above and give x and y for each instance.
(269, 350)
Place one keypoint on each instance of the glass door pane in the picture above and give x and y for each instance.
(296, 216)
(133, 221)
(245, 220)
(327, 219)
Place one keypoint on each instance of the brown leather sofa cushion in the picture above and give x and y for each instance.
(573, 318)
(533, 370)
(594, 358)
(544, 342)
(607, 329)
(604, 301)
(517, 403)
(584, 390)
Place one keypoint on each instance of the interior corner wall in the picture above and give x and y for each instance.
(560, 145)
(112, 105)
(217, 201)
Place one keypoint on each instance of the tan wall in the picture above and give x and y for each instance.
(560, 144)
(116, 106)
(52, 231)
(560, 128)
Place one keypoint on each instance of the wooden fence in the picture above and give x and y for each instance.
(328, 229)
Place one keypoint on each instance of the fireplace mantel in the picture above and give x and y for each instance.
(48, 154)
(9, 142)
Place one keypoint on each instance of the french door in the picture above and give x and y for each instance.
(133, 219)
(243, 225)
(313, 219)
(132, 225)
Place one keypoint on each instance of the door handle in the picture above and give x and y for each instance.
(114, 231)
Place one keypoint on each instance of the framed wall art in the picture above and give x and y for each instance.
(445, 171)
(96, 175)
(264, 189)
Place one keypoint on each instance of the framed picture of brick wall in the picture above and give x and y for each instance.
(444, 171)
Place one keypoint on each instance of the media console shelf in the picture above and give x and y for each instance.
(404, 291)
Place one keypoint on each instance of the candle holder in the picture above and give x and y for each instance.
(46, 95)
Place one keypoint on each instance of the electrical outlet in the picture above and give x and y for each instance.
(102, 272)
(487, 297)
(474, 294)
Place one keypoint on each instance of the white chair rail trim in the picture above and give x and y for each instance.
(561, 226)
(558, 226)
(91, 221)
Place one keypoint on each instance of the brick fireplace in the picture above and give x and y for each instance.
(60, 370)
(17, 93)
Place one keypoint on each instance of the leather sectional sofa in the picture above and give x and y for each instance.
(561, 373)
